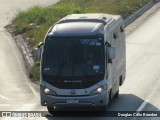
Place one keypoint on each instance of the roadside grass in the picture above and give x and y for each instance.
(34, 22)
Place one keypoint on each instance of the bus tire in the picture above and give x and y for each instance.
(103, 108)
(50, 110)
(110, 97)
(117, 94)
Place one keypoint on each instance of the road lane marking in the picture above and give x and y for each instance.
(32, 89)
(147, 100)
(142, 105)
(26, 107)
(4, 97)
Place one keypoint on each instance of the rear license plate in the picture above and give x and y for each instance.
(72, 101)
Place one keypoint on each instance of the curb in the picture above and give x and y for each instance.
(23, 46)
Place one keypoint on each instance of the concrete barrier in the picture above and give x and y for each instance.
(138, 13)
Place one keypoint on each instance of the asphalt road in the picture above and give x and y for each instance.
(140, 91)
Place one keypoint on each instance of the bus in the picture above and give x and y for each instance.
(83, 61)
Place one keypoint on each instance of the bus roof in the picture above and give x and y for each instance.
(80, 25)
(76, 28)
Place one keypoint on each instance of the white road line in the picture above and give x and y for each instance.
(33, 89)
(147, 100)
(142, 106)
(27, 107)
(4, 97)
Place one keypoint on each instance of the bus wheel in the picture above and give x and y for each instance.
(117, 94)
(50, 110)
(110, 97)
(103, 108)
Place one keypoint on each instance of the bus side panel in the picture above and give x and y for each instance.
(122, 53)
(111, 66)
(119, 63)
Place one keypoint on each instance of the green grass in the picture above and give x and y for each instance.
(34, 23)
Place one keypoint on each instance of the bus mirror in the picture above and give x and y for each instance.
(37, 53)
(111, 53)
(40, 44)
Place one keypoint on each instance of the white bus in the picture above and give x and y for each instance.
(83, 61)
